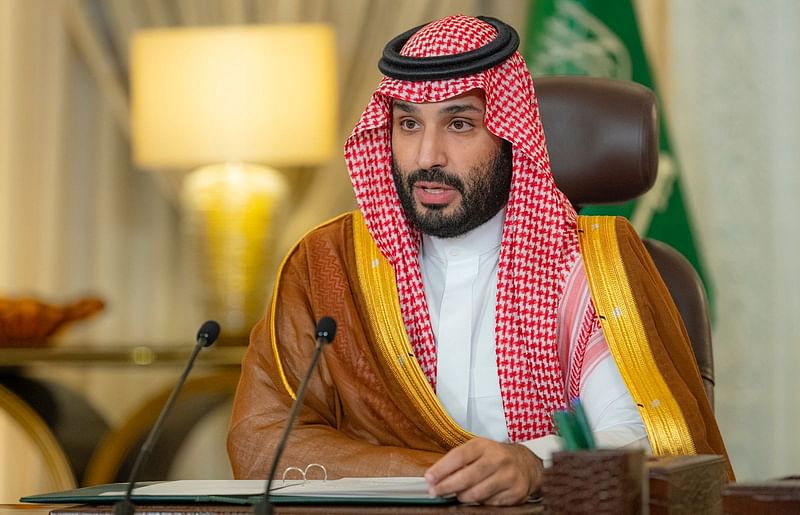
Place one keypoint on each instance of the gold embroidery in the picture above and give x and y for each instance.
(380, 290)
(622, 326)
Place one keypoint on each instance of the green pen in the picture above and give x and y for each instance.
(582, 422)
(565, 430)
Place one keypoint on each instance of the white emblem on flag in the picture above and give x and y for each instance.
(577, 42)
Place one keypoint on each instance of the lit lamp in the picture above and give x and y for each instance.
(227, 102)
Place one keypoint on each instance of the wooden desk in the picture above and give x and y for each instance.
(207, 509)
(27, 509)
(780, 497)
(767, 498)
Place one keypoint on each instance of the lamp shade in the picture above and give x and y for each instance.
(259, 94)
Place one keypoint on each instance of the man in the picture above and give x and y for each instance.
(467, 293)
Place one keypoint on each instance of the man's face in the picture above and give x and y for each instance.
(451, 173)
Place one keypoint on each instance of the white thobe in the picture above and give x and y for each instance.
(460, 278)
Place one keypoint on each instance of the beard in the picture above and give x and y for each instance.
(484, 192)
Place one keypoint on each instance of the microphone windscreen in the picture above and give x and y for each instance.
(208, 333)
(326, 328)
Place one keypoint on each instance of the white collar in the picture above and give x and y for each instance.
(481, 240)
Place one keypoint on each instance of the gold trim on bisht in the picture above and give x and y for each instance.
(394, 349)
(273, 306)
(623, 329)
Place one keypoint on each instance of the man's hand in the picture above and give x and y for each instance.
(486, 472)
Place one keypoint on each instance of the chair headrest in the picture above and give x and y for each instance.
(602, 137)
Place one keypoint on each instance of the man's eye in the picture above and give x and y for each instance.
(460, 125)
(408, 125)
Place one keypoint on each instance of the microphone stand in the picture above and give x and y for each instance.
(326, 330)
(205, 337)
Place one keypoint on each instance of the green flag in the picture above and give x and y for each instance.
(601, 38)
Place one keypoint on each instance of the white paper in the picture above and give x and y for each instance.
(198, 487)
(356, 487)
(361, 487)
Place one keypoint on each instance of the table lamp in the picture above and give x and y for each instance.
(230, 103)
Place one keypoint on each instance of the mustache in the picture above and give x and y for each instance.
(435, 174)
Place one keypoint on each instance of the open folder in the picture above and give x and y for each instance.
(373, 490)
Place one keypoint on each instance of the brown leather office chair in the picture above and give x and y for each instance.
(602, 136)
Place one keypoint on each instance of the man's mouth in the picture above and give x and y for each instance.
(434, 193)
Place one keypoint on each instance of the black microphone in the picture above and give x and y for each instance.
(326, 330)
(207, 335)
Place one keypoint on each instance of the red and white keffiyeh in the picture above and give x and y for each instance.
(539, 242)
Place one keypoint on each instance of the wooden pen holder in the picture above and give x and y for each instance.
(686, 485)
(595, 482)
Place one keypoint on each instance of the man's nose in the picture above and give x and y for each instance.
(432, 151)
